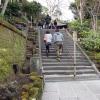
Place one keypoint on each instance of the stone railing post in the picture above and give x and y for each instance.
(75, 40)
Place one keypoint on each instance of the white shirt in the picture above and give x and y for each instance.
(48, 37)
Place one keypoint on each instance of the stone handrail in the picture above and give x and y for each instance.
(92, 64)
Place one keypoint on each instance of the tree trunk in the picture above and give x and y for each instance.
(80, 15)
(0, 2)
(94, 23)
(81, 11)
(4, 7)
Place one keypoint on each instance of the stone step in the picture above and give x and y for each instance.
(67, 72)
(65, 63)
(64, 52)
(64, 56)
(68, 64)
(57, 77)
(64, 48)
(52, 50)
(70, 45)
(65, 60)
(60, 78)
(66, 67)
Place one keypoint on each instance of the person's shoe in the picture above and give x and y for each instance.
(58, 59)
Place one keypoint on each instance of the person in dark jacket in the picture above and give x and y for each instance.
(55, 24)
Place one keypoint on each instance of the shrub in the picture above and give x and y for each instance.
(33, 74)
(92, 42)
(76, 26)
(88, 43)
(33, 92)
(5, 70)
(12, 49)
(85, 33)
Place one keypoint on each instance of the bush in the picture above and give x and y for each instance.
(76, 26)
(33, 92)
(97, 44)
(82, 30)
(92, 42)
(33, 89)
(85, 33)
(5, 70)
(88, 43)
(13, 9)
(12, 49)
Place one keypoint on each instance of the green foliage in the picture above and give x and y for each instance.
(88, 43)
(85, 34)
(29, 9)
(92, 42)
(97, 56)
(82, 30)
(13, 9)
(32, 9)
(4, 69)
(76, 26)
(9, 26)
(33, 89)
(12, 50)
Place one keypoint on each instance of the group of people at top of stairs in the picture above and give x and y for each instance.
(57, 38)
(47, 23)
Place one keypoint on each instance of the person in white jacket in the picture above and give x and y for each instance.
(48, 40)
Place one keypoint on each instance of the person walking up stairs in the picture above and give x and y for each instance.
(58, 41)
(47, 41)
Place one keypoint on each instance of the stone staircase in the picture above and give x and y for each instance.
(54, 70)
(29, 50)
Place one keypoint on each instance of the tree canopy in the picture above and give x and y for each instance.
(32, 9)
(87, 9)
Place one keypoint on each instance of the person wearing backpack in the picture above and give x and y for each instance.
(55, 24)
(47, 21)
(58, 41)
(47, 40)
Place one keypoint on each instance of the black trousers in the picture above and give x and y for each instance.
(48, 47)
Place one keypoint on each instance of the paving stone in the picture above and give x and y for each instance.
(72, 90)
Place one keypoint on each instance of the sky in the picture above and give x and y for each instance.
(66, 13)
